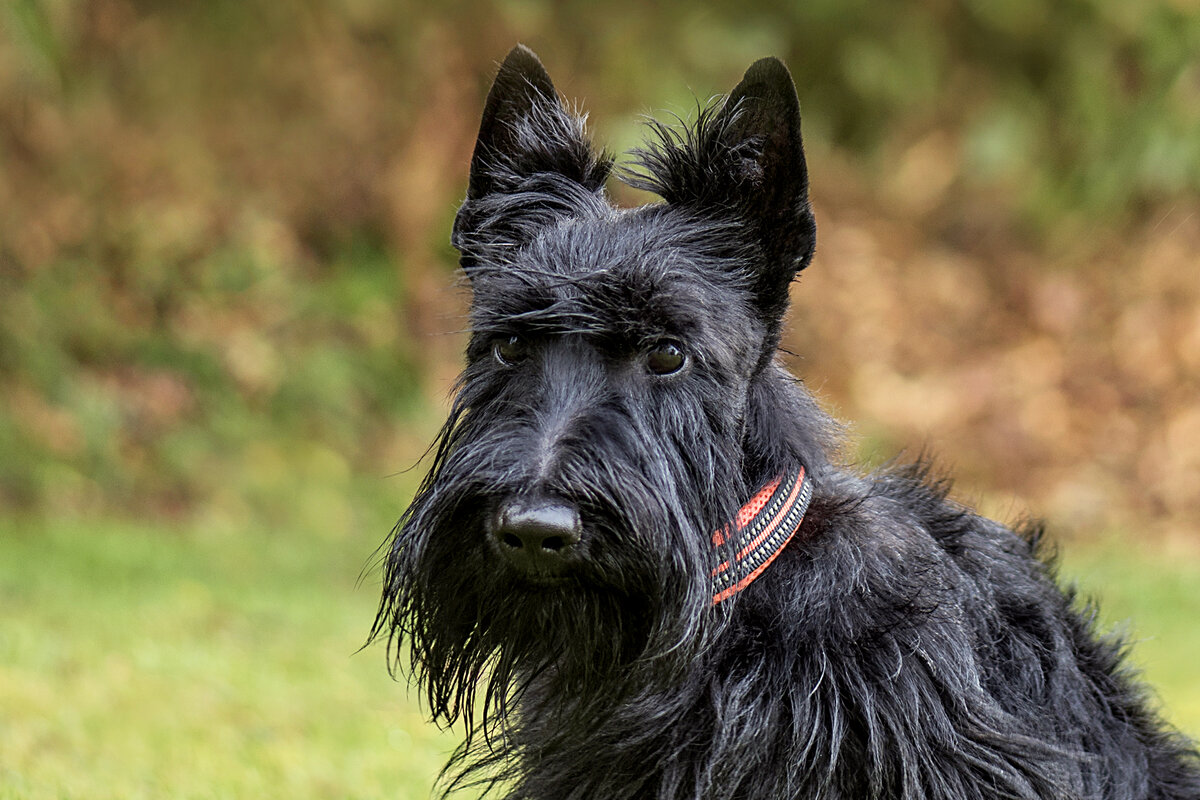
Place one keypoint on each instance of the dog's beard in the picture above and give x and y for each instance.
(480, 636)
(502, 653)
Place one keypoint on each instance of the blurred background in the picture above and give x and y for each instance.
(229, 324)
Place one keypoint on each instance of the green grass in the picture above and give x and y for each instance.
(149, 663)
(139, 663)
(1153, 598)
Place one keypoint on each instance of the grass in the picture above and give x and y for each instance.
(145, 663)
(1152, 596)
(141, 663)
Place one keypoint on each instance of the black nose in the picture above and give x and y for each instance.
(538, 536)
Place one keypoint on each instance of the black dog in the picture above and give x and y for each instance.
(635, 569)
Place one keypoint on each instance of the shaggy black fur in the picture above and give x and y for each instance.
(621, 381)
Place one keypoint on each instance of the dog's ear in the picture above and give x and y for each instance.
(745, 157)
(532, 160)
(761, 118)
(521, 95)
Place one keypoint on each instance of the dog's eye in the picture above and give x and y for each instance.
(510, 351)
(665, 358)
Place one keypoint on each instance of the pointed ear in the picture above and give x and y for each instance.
(532, 161)
(521, 86)
(745, 158)
(773, 185)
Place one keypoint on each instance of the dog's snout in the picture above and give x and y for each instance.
(537, 535)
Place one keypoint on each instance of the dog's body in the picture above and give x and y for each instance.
(578, 554)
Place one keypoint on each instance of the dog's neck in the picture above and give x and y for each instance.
(745, 547)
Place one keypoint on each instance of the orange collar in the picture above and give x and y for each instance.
(759, 532)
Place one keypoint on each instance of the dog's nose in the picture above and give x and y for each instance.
(536, 535)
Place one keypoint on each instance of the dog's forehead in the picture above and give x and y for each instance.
(632, 263)
(645, 248)
(626, 276)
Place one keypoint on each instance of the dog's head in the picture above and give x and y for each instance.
(620, 399)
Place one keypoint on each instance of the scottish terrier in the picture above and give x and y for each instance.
(636, 568)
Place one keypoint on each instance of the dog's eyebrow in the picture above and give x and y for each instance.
(567, 317)
(558, 318)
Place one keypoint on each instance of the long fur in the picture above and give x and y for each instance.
(900, 647)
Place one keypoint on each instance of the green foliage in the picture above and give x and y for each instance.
(220, 223)
(142, 398)
(1088, 106)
